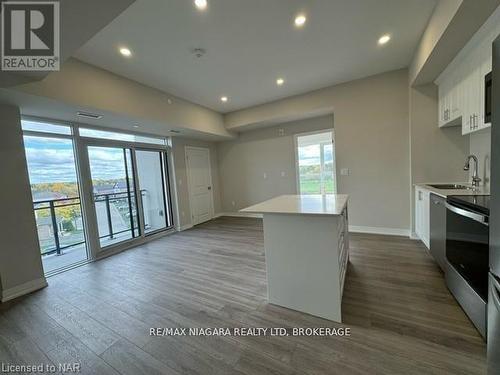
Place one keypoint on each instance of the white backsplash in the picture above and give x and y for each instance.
(480, 145)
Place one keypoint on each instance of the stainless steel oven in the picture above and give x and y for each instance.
(467, 254)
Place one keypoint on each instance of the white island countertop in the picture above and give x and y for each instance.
(329, 204)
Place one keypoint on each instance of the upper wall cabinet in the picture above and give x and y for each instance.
(461, 85)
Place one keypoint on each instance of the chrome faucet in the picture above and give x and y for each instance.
(475, 178)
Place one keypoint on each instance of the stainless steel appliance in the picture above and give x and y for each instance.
(494, 289)
(467, 248)
(438, 230)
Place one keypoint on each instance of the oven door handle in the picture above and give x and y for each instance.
(471, 215)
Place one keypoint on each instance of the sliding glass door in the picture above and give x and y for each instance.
(114, 194)
(94, 190)
(130, 191)
(152, 173)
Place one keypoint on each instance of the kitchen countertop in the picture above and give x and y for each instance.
(329, 204)
(481, 190)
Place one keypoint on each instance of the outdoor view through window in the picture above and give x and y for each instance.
(316, 163)
(56, 200)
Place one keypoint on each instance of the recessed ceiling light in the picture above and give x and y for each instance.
(280, 81)
(300, 20)
(384, 39)
(136, 126)
(224, 99)
(201, 4)
(125, 52)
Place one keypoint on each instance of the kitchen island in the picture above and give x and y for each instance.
(306, 244)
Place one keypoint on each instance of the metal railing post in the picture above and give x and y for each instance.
(108, 212)
(54, 227)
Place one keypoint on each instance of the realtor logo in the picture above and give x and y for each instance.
(30, 35)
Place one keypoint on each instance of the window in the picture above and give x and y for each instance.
(315, 158)
(44, 127)
(104, 134)
(56, 200)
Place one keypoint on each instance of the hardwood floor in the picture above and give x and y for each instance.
(403, 320)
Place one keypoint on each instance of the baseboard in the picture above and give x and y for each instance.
(414, 236)
(23, 289)
(184, 227)
(378, 230)
(239, 214)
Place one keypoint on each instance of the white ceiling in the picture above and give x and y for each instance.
(250, 43)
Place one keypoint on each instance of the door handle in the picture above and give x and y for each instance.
(471, 215)
(209, 188)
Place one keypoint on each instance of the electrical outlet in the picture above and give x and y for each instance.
(281, 132)
(283, 174)
(265, 176)
(233, 203)
(344, 172)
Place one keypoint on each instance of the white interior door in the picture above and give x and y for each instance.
(200, 184)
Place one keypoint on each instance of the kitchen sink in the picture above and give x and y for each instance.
(451, 187)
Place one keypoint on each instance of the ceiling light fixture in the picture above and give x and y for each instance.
(201, 4)
(136, 126)
(300, 20)
(125, 52)
(280, 81)
(224, 99)
(384, 39)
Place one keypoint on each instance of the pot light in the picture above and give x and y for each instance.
(125, 52)
(384, 39)
(280, 81)
(136, 126)
(201, 4)
(300, 20)
(224, 99)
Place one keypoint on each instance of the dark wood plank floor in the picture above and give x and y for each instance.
(402, 317)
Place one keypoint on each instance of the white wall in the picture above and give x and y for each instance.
(372, 140)
(20, 261)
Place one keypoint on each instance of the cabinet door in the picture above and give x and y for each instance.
(442, 104)
(426, 218)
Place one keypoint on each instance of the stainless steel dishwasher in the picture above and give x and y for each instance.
(438, 230)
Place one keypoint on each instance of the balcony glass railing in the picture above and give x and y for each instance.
(59, 224)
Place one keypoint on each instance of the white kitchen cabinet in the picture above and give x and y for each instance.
(422, 215)
(450, 100)
(461, 85)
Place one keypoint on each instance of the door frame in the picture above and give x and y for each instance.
(296, 152)
(189, 184)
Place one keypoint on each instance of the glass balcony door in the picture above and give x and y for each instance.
(152, 173)
(114, 194)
